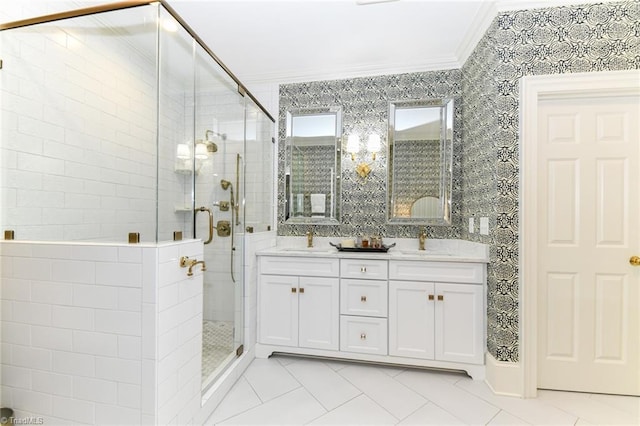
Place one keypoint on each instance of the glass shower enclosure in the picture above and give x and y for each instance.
(118, 122)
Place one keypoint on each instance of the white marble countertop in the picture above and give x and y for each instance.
(405, 249)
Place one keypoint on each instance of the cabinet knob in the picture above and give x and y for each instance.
(301, 289)
(363, 269)
(440, 297)
(363, 336)
(431, 297)
(363, 298)
(293, 289)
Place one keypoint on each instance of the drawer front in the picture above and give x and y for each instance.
(300, 266)
(472, 273)
(364, 269)
(363, 297)
(363, 335)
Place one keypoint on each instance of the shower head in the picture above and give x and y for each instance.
(225, 184)
(211, 146)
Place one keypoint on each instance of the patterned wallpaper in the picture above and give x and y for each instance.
(598, 37)
(365, 108)
(594, 37)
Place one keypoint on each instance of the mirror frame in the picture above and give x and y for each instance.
(447, 121)
(336, 204)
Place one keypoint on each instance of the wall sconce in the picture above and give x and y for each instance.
(373, 144)
(353, 147)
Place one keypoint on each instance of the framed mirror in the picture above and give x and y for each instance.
(420, 162)
(312, 166)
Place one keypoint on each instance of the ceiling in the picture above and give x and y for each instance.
(285, 41)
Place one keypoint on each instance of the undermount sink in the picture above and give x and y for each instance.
(308, 249)
(417, 252)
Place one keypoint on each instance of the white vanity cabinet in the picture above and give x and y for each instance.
(296, 309)
(430, 318)
(387, 308)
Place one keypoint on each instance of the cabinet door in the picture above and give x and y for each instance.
(318, 316)
(278, 310)
(411, 319)
(459, 323)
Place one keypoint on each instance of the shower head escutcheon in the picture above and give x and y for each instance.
(225, 184)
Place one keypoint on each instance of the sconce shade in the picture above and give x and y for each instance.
(201, 151)
(353, 144)
(182, 152)
(373, 144)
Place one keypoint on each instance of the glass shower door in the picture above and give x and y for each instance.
(218, 147)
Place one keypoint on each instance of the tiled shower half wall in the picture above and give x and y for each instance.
(365, 109)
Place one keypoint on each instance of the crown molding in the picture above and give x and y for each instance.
(511, 5)
(476, 31)
(434, 64)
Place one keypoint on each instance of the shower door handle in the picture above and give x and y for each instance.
(211, 227)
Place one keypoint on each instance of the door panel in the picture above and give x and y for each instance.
(611, 197)
(611, 332)
(561, 325)
(563, 192)
(588, 204)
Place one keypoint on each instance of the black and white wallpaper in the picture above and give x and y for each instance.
(365, 108)
(595, 37)
(588, 38)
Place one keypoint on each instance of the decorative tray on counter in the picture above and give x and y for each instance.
(382, 249)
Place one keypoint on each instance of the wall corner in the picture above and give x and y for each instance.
(504, 378)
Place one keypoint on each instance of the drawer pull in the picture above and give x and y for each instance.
(431, 297)
(293, 290)
(363, 269)
(440, 297)
(301, 290)
(363, 298)
(363, 336)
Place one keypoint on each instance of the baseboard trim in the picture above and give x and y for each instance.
(504, 378)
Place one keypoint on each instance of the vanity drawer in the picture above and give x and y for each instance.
(363, 335)
(367, 269)
(300, 266)
(363, 297)
(452, 272)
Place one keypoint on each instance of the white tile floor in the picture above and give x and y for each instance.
(297, 391)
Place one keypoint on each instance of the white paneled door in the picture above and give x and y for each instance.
(588, 232)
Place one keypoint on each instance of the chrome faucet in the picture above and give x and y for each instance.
(309, 238)
(186, 262)
(422, 238)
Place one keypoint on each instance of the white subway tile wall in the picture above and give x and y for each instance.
(79, 135)
(79, 343)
